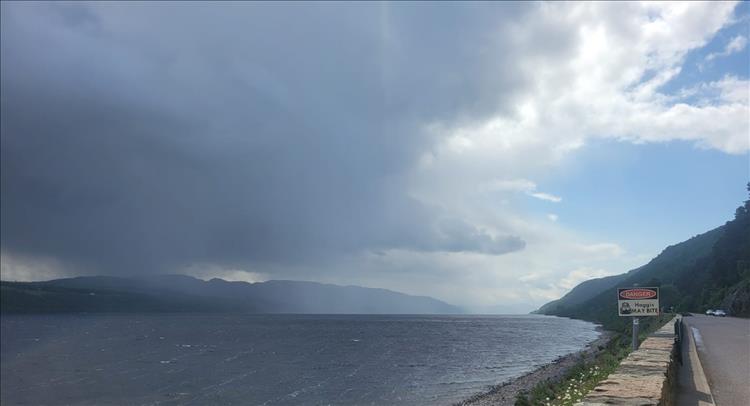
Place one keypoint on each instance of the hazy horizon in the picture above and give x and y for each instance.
(489, 155)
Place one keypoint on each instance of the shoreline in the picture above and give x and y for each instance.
(504, 393)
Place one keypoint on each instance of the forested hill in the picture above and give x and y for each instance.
(179, 293)
(583, 292)
(710, 270)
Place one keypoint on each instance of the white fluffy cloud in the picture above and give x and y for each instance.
(736, 44)
(605, 85)
(518, 185)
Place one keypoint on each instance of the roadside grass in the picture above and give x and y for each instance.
(585, 375)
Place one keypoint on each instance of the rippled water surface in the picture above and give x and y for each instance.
(273, 359)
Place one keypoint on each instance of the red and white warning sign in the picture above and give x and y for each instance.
(638, 301)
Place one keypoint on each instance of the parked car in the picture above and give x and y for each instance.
(709, 312)
(720, 313)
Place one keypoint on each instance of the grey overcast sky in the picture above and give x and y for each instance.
(431, 148)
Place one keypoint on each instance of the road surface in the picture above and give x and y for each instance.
(723, 345)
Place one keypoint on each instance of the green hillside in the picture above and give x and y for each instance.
(710, 270)
(583, 292)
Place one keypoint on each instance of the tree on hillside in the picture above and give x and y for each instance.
(729, 265)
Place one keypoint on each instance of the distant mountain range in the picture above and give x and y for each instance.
(179, 293)
(710, 270)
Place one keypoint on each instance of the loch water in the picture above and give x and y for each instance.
(201, 359)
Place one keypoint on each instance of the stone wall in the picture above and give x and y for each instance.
(645, 377)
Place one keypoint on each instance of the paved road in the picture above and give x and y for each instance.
(723, 345)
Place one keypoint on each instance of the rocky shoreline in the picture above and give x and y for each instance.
(505, 393)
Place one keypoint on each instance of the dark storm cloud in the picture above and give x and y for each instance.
(139, 137)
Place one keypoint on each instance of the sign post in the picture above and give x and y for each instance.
(637, 302)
